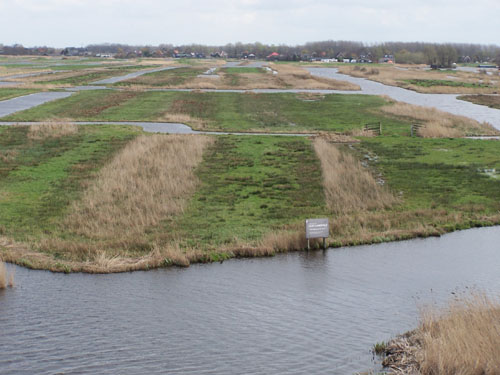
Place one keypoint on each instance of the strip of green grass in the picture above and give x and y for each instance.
(439, 173)
(40, 178)
(9, 93)
(249, 186)
(441, 82)
(225, 111)
(240, 70)
(164, 78)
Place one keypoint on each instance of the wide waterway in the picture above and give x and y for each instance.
(300, 313)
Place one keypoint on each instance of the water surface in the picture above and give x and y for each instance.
(301, 313)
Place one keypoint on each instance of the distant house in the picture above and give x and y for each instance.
(73, 51)
(387, 59)
(364, 59)
(273, 56)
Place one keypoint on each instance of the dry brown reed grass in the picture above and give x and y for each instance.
(439, 124)
(6, 276)
(184, 118)
(147, 182)
(51, 130)
(349, 186)
(462, 339)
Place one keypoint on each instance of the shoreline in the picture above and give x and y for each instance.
(18, 253)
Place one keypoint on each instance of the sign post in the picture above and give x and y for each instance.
(317, 228)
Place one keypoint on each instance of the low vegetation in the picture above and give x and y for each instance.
(347, 184)
(224, 111)
(420, 79)
(104, 199)
(492, 101)
(241, 78)
(9, 93)
(462, 339)
(439, 124)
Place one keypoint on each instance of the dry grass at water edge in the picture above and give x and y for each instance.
(463, 339)
(439, 124)
(347, 184)
(6, 276)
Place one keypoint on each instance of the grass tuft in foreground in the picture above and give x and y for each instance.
(463, 339)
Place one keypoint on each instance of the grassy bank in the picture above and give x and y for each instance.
(419, 78)
(225, 111)
(108, 199)
(9, 93)
(244, 78)
(492, 101)
(463, 339)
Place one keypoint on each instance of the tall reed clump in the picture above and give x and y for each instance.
(51, 130)
(349, 186)
(6, 277)
(147, 182)
(439, 124)
(465, 339)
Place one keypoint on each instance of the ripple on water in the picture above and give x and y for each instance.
(300, 313)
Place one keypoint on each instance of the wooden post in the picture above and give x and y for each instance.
(380, 128)
(308, 247)
(324, 243)
(411, 132)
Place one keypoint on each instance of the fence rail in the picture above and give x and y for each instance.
(375, 128)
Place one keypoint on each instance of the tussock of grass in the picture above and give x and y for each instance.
(6, 276)
(439, 124)
(463, 339)
(51, 130)
(184, 118)
(147, 181)
(347, 184)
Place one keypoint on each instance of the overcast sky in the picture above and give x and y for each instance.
(62, 23)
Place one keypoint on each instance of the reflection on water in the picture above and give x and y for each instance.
(302, 313)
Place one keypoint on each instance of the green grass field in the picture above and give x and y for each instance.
(442, 82)
(9, 93)
(251, 185)
(39, 178)
(224, 111)
(454, 174)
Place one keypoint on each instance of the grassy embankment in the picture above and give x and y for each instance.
(492, 101)
(244, 78)
(224, 111)
(71, 201)
(426, 81)
(9, 93)
(463, 339)
(249, 112)
(79, 76)
(244, 196)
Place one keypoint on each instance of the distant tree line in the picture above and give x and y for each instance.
(403, 52)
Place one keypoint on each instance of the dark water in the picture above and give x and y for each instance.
(301, 313)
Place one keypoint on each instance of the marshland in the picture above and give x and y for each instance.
(110, 198)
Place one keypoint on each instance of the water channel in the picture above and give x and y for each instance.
(298, 313)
